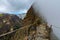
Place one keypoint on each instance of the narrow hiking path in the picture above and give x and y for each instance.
(42, 33)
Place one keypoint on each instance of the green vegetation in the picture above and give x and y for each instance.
(1, 14)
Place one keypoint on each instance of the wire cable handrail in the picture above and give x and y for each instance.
(55, 26)
(12, 31)
(21, 28)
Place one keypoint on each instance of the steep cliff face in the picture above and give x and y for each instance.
(9, 23)
(30, 22)
(40, 27)
(31, 17)
(33, 28)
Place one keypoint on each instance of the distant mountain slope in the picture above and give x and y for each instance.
(9, 23)
(22, 15)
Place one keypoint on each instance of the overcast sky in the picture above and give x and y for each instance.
(15, 6)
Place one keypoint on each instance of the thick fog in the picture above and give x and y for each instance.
(50, 9)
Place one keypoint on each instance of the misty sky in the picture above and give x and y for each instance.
(15, 6)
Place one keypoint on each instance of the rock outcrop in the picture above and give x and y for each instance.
(31, 28)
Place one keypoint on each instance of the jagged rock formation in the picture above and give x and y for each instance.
(31, 17)
(31, 28)
(30, 23)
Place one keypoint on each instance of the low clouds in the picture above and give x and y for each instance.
(7, 6)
